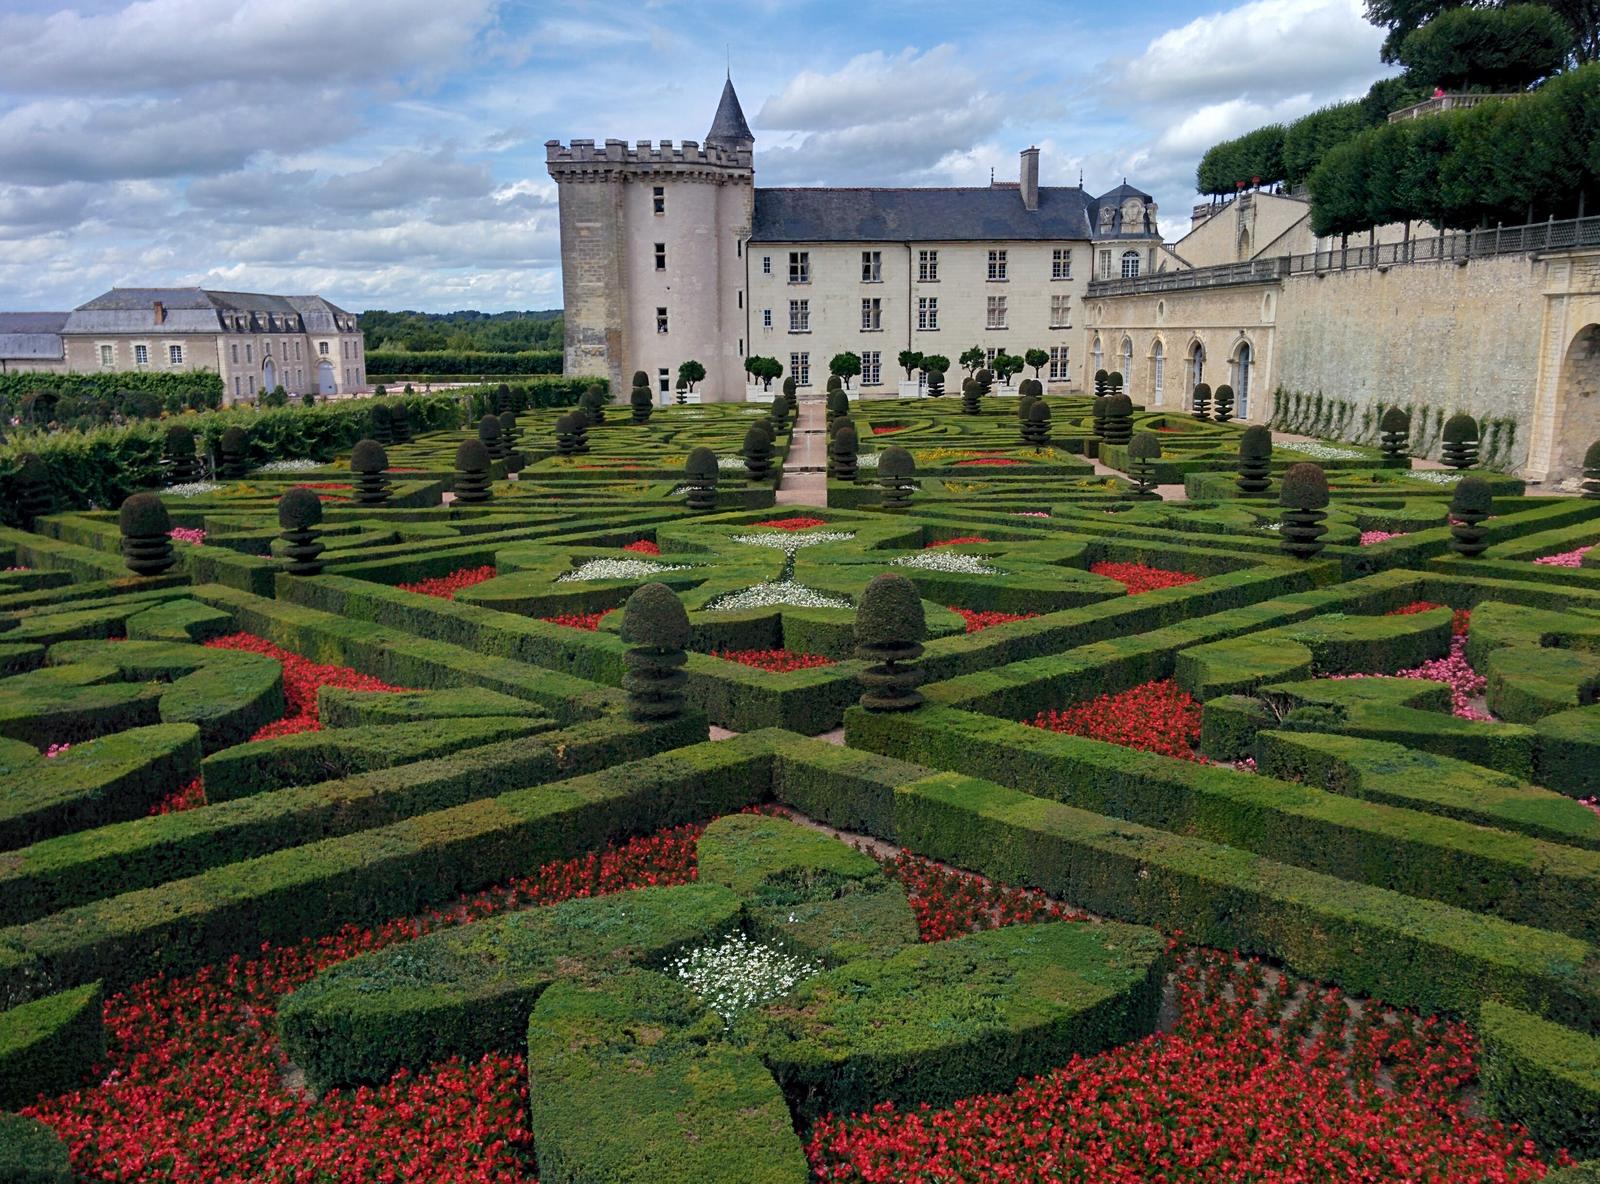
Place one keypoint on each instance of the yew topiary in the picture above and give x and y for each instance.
(1255, 461)
(502, 398)
(471, 482)
(233, 451)
(1460, 448)
(178, 453)
(758, 451)
(935, 387)
(493, 441)
(35, 497)
(656, 628)
(842, 453)
(580, 431)
(1222, 403)
(640, 378)
(1394, 434)
(1036, 431)
(1143, 452)
(971, 397)
(985, 380)
(897, 477)
(890, 628)
(1119, 419)
(299, 513)
(1591, 471)
(641, 402)
(1304, 497)
(593, 405)
(1470, 506)
(401, 423)
(146, 538)
(700, 468)
(382, 423)
(838, 403)
(1200, 401)
(566, 436)
(509, 431)
(1101, 379)
(370, 463)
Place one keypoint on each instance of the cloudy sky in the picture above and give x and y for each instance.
(391, 155)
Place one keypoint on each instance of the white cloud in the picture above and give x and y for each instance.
(405, 178)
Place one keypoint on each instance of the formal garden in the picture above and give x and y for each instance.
(462, 787)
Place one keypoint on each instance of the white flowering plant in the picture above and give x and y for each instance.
(793, 540)
(737, 974)
(192, 488)
(947, 561)
(1322, 451)
(616, 569)
(783, 593)
(289, 466)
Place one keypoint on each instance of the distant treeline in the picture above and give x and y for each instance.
(467, 331)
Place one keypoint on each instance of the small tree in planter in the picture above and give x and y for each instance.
(889, 631)
(656, 628)
(471, 481)
(701, 473)
(935, 387)
(971, 397)
(182, 463)
(1201, 401)
(1143, 452)
(932, 362)
(910, 361)
(1470, 505)
(493, 441)
(1255, 461)
(897, 478)
(1591, 471)
(1007, 366)
(370, 464)
(146, 534)
(767, 370)
(640, 401)
(1036, 431)
(689, 373)
(1460, 449)
(1394, 435)
(844, 367)
(1119, 419)
(1222, 403)
(758, 451)
(843, 452)
(299, 513)
(971, 359)
(1304, 500)
(985, 381)
(1038, 359)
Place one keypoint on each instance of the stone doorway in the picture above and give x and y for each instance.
(1577, 403)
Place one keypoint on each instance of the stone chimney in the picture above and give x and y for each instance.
(160, 311)
(1030, 178)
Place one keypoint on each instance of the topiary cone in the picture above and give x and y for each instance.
(935, 387)
(1591, 471)
(758, 452)
(1470, 505)
(1143, 452)
(656, 628)
(401, 423)
(1394, 435)
(493, 441)
(1201, 401)
(382, 423)
(1119, 419)
(971, 397)
(370, 463)
(1460, 447)
(640, 401)
(593, 405)
(471, 483)
(299, 513)
(182, 463)
(702, 472)
(1303, 496)
(146, 534)
(580, 430)
(233, 450)
(843, 453)
(896, 478)
(889, 630)
(1222, 403)
(33, 493)
(509, 431)
(1255, 461)
(1036, 431)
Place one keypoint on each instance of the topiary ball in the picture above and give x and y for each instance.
(1395, 421)
(299, 508)
(180, 440)
(1256, 443)
(1305, 487)
(472, 457)
(640, 378)
(654, 616)
(1144, 447)
(368, 456)
(758, 438)
(143, 515)
(896, 462)
(1473, 495)
(489, 428)
(1460, 428)
(890, 613)
(701, 463)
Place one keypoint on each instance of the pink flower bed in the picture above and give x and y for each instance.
(1368, 537)
(1566, 558)
(188, 534)
(1464, 682)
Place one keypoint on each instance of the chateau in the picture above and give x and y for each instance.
(255, 342)
(671, 252)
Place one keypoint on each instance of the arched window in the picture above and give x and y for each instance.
(1197, 365)
(1158, 367)
(1127, 363)
(1099, 357)
(1130, 265)
(1244, 243)
(1243, 362)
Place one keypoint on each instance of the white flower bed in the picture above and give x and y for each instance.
(730, 462)
(1435, 476)
(786, 594)
(869, 461)
(1323, 451)
(192, 488)
(1272, 526)
(289, 466)
(793, 540)
(740, 974)
(950, 561)
(616, 569)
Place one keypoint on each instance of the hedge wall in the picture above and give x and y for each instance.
(1543, 1075)
(460, 363)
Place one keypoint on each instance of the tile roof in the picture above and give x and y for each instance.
(972, 214)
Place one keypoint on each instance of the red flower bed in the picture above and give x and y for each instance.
(589, 621)
(301, 681)
(643, 547)
(1158, 716)
(446, 587)
(888, 428)
(773, 661)
(978, 620)
(1139, 578)
(185, 797)
(1459, 620)
(323, 485)
(798, 522)
(956, 542)
(987, 460)
(949, 903)
(1254, 1083)
(193, 1092)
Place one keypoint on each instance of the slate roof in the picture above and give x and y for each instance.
(728, 125)
(193, 310)
(35, 335)
(968, 214)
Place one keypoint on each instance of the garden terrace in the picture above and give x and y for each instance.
(1191, 852)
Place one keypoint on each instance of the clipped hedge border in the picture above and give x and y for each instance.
(1543, 1075)
(49, 1045)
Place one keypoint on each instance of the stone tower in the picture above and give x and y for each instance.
(652, 254)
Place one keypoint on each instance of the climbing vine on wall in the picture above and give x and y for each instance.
(1315, 414)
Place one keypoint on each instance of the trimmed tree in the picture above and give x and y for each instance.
(910, 361)
(935, 386)
(985, 381)
(1255, 461)
(182, 462)
(1102, 384)
(641, 402)
(842, 452)
(509, 431)
(897, 473)
(1591, 471)
(1037, 430)
(1222, 403)
(1394, 435)
(233, 452)
(971, 359)
(758, 451)
(471, 479)
(35, 497)
(1470, 505)
(1200, 401)
(1304, 499)
(1460, 448)
(400, 421)
(689, 373)
(1143, 452)
(593, 403)
(838, 403)
(489, 434)
(580, 431)
(382, 424)
(299, 513)
(146, 534)
(889, 631)
(701, 473)
(656, 629)
(844, 367)
(370, 463)
(971, 397)
(1036, 358)
(566, 435)
(1119, 419)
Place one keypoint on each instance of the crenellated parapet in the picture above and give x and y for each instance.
(586, 160)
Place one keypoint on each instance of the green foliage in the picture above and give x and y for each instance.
(468, 330)
(32, 1153)
(910, 361)
(454, 364)
(1255, 158)
(1494, 49)
(1543, 1075)
(38, 397)
(299, 508)
(1310, 138)
(845, 366)
(49, 1046)
(762, 369)
(1304, 487)
(689, 373)
(368, 456)
(143, 515)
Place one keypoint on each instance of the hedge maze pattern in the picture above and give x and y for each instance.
(411, 793)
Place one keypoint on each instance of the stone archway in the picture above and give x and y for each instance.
(1578, 401)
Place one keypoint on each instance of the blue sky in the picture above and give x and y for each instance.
(392, 155)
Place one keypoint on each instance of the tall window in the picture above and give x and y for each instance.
(1060, 364)
(989, 356)
(1061, 263)
(871, 267)
(661, 320)
(661, 256)
(871, 367)
(1130, 265)
(235, 353)
(799, 316)
(249, 352)
(997, 312)
(1099, 362)
(1061, 312)
(766, 318)
(1105, 265)
(766, 265)
(1197, 365)
(108, 356)
(141, 355)
(799, 267)
(658, 197)
(175, 354)
(1158, 370)
(928, 267)
(927, 313)
(800, 369)
(871, 314)
(664, 382)
(322, 348)
(1241, 380)
(1127, 362)
(997, 265)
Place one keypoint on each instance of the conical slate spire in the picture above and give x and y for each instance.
(728, 128)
